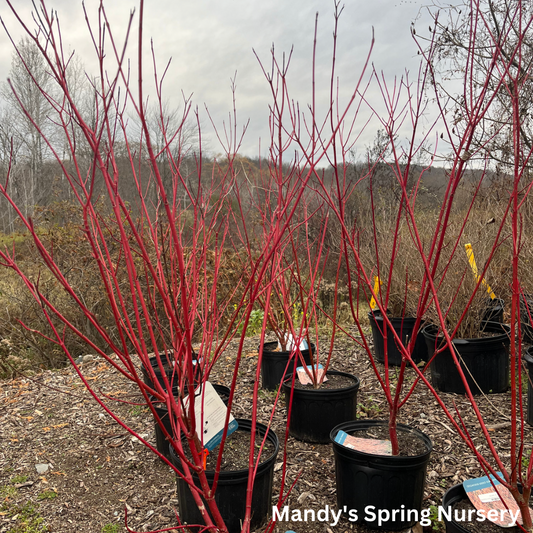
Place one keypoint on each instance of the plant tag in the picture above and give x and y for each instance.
(304, 379)
(210, 412)
(372, 446)
(494, 500)
(291, 344)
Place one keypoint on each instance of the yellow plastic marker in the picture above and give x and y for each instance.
(472, 261)
(377, 283)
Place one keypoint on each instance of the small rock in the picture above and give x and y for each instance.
(87, 358)
(22, 485)
(305, 496)
(142, 435)
(42, 468)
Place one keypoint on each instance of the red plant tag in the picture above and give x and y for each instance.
(493, 500)
(303, 377)
(373, 446)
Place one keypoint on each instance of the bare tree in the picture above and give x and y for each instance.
(455, 45)
(26, 87)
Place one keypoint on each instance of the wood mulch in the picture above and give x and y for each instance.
(96, 471)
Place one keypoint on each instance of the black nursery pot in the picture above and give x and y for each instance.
(230, 495)
(315, 412)
(157, 371)
(404, 329)
(168, 370)
(161, 443)
(452, 496)
(493, 311)
(526, 310)
(382, 482)
(486, 360)
(273, 364)
(528, 358)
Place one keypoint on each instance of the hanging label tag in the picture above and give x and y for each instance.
(373, 446)
(304, 379)
(210, 412)
(494, 500)
(291, 344)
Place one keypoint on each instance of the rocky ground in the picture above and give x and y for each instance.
(66, 466)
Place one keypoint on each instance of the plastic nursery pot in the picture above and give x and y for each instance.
(528, 358)
(526, 311)
(315, 412)
(159, 375)
(493, 311)
(485, 361)
(161, 443)
(274, 363)
(230, 495)
(157, 371)
(453, 496)
(404, 329)
(382, 482)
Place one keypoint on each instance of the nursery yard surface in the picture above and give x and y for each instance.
(66, 466)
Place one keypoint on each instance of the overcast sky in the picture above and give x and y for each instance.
(211, 41)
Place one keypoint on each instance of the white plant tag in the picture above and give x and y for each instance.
(210, 412)
(291, 344)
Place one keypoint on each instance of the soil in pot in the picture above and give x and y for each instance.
(315, 412)
(485, 361)
(404, 329)
(274, 362)
(368, 483)
(232, 484)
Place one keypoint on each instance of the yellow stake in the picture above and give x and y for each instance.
(472, 261)
(377, 283)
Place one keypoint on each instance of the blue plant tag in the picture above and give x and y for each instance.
(217, 439)
(320, 367)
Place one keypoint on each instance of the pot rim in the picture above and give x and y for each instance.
(528, 355)
(264, 463)
(275, 352)
(375, 422)
(357, 382)
(428, 332)
(378, 315)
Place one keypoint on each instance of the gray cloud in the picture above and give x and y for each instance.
(211, 40)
